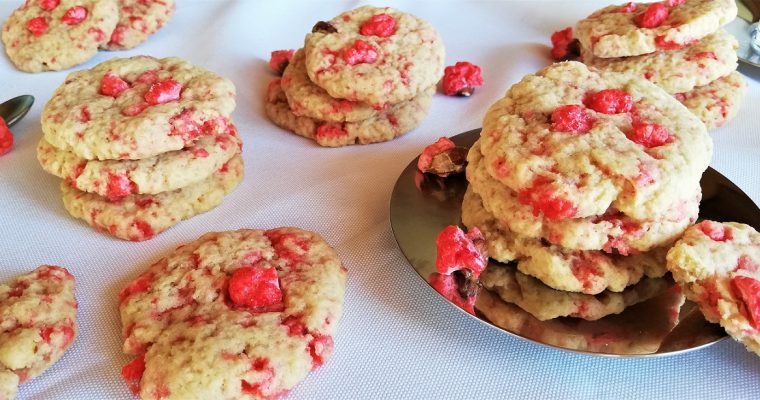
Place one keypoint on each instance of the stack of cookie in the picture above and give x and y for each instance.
(678, 45)
(141, 144)
(642, 329)
(584, 178)
(44, 35)
(366, 76)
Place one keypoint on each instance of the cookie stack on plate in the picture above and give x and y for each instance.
(678, 45)
(45, 35)
(642, 329)
(141, 144)
(584, 178)
(545, 303)
(366, 76)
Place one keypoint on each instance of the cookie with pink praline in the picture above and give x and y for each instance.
(718, 264)
(242, 314)
(138, 20)
(38, 324)
(51, 35)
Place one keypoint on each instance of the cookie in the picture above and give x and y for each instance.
(183, 318)
(589, 272)
(44, 35)
(309, 100)
(38, 323)
(8, 384)
(378, 56)
(138, 19)
(140, 217)
(679, 70)
(612, 231)
(501, 242)
(574, 142)
(716, 102)
(616, 334)
(115, 179)
(545, 303)
(389, 124)
(718, 264)
(634, 29)
(138, 107)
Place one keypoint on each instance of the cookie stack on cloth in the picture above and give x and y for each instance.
(50, 35)
(141, 144)
(366, 76)
(584, 179)
(678, 45)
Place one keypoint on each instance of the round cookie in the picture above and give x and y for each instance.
(589, 272)
(545, 303)
(614, 31)
(387, 125)
(142, 216)
(718, 264)
(138, 107)
(716, 102)
(138, 19)
(115, 179)
(374, 55)
(8, 384)
(309, 100)
(37, 324)
(575, 142)
(195, 341)
(679, 70)
(610, 232)
(44, 35)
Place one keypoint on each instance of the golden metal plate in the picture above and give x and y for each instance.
(422, 205)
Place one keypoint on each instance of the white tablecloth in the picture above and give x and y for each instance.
(398, 338)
